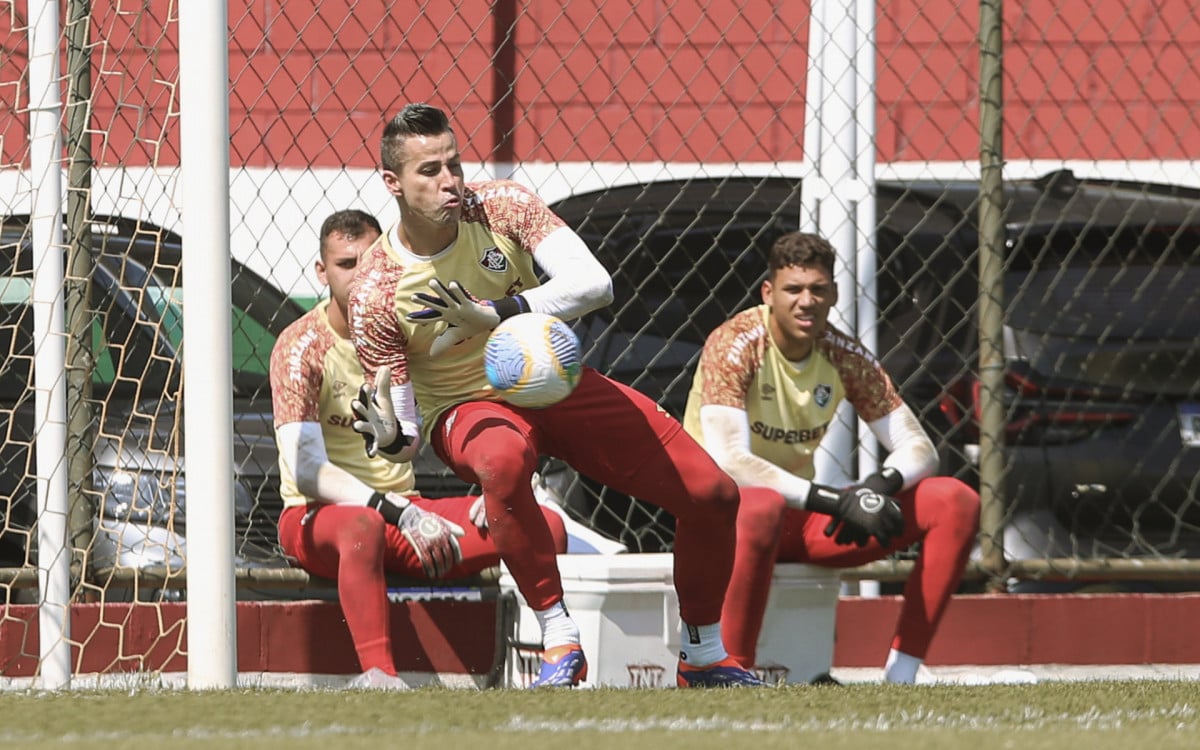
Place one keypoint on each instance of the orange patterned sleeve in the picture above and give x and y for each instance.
(379, 339)
(297, 369)
(513, 210)
(869, 388)
(731, 358)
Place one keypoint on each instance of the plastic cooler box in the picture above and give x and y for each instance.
(628, 617)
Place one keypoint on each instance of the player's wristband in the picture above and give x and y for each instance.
(387, 507)
(506, 307)
(401, 442)
(886, 481)
(822, 499)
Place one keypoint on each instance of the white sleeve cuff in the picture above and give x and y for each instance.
(302, 456)
(910, 451)
(727, 438)
(577, 283)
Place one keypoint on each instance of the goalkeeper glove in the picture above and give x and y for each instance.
(465, 317)
(861, 511)
(433, 539)
(376, 418)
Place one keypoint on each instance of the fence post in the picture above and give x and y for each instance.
(81, 358)
(991, 284)
(207, 347)
(45, 161)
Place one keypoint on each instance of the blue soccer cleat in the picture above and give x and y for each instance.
(726, 673)
(562, 666)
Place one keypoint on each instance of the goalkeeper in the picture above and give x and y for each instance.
(768, 384)
(411, 313)
(349, 517)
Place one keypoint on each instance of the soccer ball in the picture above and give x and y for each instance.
(532, 360)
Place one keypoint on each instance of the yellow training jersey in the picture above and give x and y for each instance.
(314, 376)
(502, 223)
(789, 408)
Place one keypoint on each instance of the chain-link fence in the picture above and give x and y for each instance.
(671, 138)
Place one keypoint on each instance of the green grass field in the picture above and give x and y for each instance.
(1124, 715)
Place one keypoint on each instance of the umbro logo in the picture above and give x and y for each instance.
(768, 392)
(494, 260)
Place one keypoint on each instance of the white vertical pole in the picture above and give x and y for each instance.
(838, 199)
(50, 348)
(207, 348)
(866, 269)
(864, 169)
(831, 191)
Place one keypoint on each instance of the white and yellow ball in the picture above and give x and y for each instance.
(532, 360)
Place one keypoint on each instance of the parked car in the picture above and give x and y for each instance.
(1101, 288)
(139, 479)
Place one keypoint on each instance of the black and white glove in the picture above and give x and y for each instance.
(465, 316)
(433, 538)
(376, 418)
(862, 511)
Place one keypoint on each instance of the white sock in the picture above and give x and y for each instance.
(702, 644)
(558, 629)
(901, 668)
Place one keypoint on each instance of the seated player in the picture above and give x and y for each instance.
(349, 517)
(767, 388)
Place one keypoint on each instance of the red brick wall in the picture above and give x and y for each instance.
(625, 80)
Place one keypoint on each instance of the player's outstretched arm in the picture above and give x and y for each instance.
(465, 317)
(576, 284)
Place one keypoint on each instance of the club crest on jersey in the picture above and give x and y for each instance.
(494, 260)
(822, 394)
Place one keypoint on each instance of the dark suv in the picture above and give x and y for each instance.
(1101, 335)
(137, 303)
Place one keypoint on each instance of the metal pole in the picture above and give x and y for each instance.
(864, 170)
(991, 284)
(45, 148)
(81, 359)
(838, 200)
(866, 269)
(207, 348)
(831, 190)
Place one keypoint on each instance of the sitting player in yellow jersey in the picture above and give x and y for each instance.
(349, 517)
(769, 382)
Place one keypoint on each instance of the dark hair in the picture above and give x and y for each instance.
(351, 222)
(414, 119)
(801, 249)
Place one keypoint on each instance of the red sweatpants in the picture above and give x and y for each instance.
(940, 512)
(353, 545)
(619, 437)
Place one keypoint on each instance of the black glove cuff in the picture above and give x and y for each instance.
(401, 442)
(389, 510)
(886, 481)
(822, 499)
(506, 307)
